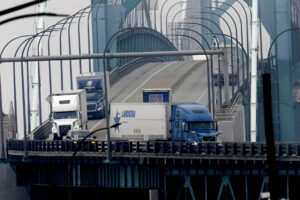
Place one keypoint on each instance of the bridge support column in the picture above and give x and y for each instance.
(205, 187)
(246, 187)
(225, 182)
(165, 188)
(264, 183)
(78, 175)
(186, 184)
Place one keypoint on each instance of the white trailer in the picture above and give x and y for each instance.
(69, 112)
(135, 118)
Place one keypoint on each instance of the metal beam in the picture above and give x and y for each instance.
(112, 55)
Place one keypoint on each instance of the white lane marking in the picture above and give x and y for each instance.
(202, 95)
(124, 100)
(134, 91)
(96, 125)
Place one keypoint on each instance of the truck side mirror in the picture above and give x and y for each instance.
(185, 127)
(216, 126)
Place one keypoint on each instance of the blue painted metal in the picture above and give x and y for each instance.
(107, 19)
(280, 16)
(130, 5)
(264, 184)
(225, 182)
(149, 173)
(156, 96)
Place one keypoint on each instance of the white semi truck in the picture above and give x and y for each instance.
(69, 112)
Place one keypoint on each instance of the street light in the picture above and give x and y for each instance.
(14, 73)
(211, 67)
(231, 41)
(218, 46)
(181, 2)
(100, 129)
(106, 86)
(242, 37)
(236, 35)
(75, 152)
(207, 63)
(162, 7)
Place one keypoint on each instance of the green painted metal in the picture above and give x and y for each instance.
(129, 5)
(225, 182)
(141, 40)
(146, 8)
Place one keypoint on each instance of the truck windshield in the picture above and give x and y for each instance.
(202, 126)
(65, 115)
(91, 96)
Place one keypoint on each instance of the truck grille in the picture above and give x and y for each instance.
(209, 138)
(91, 107)
(63, 129)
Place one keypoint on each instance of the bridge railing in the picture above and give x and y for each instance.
(159, 147)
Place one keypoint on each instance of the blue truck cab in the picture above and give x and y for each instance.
(94, 95)
(192, 123)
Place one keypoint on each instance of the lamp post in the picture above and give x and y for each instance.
(211, 67)
(75, 152)
(247, 32)
(181, 2)
(155, 6)
(14, 73)
(237, 50)
(106, 87)
(172, 23)
(207, 63)
(231, 41)
(162, 7)
(242, 37)
(202, 25)
(218, 46)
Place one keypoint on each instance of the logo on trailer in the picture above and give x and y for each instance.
(89, 84)
(117, 119)
(124, 114)
(128, 113)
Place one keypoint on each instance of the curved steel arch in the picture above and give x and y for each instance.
(143, 39)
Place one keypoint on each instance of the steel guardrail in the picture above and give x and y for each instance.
(119, 72)
(42, 132)
(241, 149)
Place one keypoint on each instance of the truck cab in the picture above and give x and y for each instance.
(193, 123)
(94, 95)
(68, 113)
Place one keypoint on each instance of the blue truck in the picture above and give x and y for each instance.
(157, 118)
(93, 84)
(190, 122)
